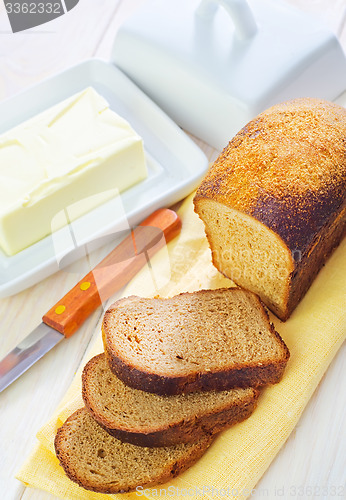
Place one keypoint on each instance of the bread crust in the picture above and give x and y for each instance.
(303, 203)
(188, 432)
(185, 430)
(170, 470)
(314, 259)
(246, 375)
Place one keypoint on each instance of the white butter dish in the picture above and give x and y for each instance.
(175, 167)
(213, 65)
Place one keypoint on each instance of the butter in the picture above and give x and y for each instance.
(74, 154)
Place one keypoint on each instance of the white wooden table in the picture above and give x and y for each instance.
(313, 458)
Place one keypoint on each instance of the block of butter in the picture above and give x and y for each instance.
(73, 157)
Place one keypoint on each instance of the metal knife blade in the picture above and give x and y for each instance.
(31, 349)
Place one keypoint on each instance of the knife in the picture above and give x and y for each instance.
(109, 276)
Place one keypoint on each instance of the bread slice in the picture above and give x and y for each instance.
(206, 340)
(146, 419)
(274, 202)
(99, 462)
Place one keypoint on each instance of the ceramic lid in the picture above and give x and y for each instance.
(213, 65)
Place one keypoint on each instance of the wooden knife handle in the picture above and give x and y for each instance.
(113, 272)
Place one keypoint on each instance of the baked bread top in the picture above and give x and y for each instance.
(286, 168)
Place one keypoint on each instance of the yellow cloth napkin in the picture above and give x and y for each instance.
(239, 456)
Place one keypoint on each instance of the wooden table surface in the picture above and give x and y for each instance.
(312, 462)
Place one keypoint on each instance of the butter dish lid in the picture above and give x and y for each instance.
(212, 65)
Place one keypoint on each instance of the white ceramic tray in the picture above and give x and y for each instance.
(176, 166)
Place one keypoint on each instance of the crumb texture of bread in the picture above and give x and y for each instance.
(274, 202)
(100, 462)
(205, 340)
(148, 419)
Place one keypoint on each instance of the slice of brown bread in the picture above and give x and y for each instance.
(146, 419)
(99, 462)
(206, 340)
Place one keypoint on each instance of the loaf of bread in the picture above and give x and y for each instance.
(145, 419)
(99, 462)
(206, 340)
(274, 202)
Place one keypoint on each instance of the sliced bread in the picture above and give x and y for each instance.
(99, 462)
(146, 419)
(206, 340)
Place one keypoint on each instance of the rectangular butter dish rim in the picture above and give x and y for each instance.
(175, 164)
